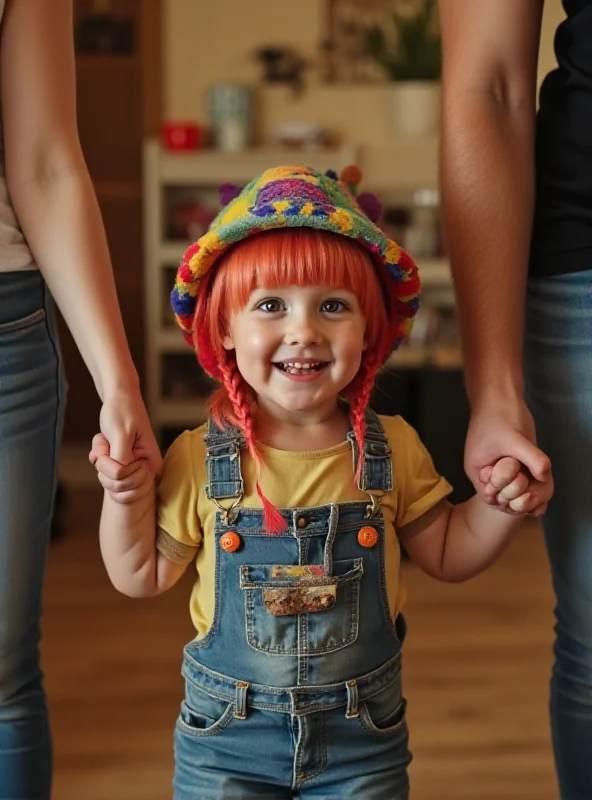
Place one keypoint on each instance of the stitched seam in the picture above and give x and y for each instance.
(217, 727)
(26, 322)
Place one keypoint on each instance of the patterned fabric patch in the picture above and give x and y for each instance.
(307, 600)
(304, 574)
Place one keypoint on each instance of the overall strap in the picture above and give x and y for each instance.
(377, 470)
(223, 467)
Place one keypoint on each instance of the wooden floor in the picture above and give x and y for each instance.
(476, 669)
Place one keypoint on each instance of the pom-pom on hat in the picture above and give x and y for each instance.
(291, 197)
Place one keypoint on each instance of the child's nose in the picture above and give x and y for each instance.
(303, 331)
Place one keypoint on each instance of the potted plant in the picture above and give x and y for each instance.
(410, 57)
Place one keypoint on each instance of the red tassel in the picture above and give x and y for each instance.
(273, 520)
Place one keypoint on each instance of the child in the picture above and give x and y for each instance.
(293, 300)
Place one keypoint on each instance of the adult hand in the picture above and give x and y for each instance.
(501, 430)
(125, 425)
(125, 484)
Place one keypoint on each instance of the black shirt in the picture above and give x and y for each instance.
(562, 234)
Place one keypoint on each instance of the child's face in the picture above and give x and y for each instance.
(298, 347)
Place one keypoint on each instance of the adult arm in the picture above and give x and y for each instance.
(490, 51)
(55, 203)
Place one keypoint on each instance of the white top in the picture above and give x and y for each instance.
(14, 253)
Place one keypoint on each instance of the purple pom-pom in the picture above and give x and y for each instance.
(228, 192)
(370, 205)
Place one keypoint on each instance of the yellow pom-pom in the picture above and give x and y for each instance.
(351, 176)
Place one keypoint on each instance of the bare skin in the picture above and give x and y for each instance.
(56, 206)
(490, 51)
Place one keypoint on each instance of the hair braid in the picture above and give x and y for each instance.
(358, 394)
(235, 387)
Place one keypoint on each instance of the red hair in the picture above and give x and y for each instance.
(289, 257)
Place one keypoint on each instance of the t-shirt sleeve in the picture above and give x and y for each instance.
(420, 489)
(179, 532)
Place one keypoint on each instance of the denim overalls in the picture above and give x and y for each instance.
(295, 691)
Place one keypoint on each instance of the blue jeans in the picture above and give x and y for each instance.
(32, 395)
(558, 359)
(247, 745)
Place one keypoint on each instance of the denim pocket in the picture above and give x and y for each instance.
(202, 714)
(383, 714)
(23, 322)
(317, 633)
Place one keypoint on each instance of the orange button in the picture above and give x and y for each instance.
(368, 536)
(230, 541)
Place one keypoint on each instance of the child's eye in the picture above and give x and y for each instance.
(334, 306)
(270, 306)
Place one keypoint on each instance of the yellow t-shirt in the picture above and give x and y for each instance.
(185, 516)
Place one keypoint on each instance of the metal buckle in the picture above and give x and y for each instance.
(228, 514)
(375, 506)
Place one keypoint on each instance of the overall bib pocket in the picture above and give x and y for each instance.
(299, 609)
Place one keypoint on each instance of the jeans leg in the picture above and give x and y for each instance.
(219, 756)
(366, 756)
(32, 393)
(559, 380)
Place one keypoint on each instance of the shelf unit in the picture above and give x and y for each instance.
(206, 170)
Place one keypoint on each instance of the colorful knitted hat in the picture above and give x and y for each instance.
(286, 197)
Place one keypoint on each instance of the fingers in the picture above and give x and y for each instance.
(99, 447)
(520, 504)
(116, 477)
(535, 461)
(504, 472)
(502, 481)
(131, 496)
(485, 475)
(125, 483)
(151, 453)
(523, 496)
(127, 487)
(514, 489)
(538, 511)
(509, 486)
(122, 446)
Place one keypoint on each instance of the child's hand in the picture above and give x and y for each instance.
(511, 482)
(125, 484)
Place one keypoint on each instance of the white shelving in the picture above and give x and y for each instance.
(165, 171)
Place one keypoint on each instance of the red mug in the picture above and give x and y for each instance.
(182, 136)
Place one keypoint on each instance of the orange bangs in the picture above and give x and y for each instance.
(295, 257)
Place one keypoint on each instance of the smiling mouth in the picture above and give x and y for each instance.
(299, 367)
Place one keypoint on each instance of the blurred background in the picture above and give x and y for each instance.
(176, 97)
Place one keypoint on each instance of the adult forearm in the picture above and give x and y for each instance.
(61, 220)
(488, 195)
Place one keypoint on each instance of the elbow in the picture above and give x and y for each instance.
(135, 591)
(45, 168)
(131, 588)
(454, 577)
(511, 92)
(139, 585)
(460, 573)
(503, 90)
(444, 574)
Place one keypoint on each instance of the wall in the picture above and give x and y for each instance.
(209, 41)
